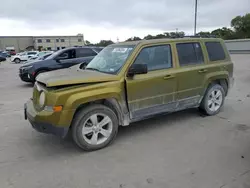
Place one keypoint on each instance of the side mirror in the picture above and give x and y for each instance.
(137, 69)
(83, 65)
(58, 60)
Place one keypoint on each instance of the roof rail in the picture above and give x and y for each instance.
(199, 36)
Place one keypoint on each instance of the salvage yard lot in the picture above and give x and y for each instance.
(183, 149)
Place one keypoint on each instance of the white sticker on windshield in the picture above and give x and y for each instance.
(121, 50)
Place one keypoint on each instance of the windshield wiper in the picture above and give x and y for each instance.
(94, 69)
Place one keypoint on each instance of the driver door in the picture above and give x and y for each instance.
(154, 92)
(67, 58)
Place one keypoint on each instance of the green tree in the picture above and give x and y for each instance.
(134, 39)
(224, 33)
(160, 36)
(204, 34)
(148, 37)
(105, 43)
(88, 43)
(241, 25)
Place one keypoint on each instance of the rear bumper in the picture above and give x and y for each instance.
(43, 127)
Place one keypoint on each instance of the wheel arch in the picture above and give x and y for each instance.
(111, 102)
(221, 79)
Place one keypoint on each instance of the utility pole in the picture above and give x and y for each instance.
(195, 18)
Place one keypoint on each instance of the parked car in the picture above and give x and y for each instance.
(40, 58)
(4, 54)
(41, 54)
(24, 56)
(128, 82)
(2, 58)
(11, 51)
(58, 60)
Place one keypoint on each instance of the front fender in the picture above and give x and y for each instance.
(77, 99)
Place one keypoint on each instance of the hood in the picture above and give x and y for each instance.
(73, 75)
(31, 62)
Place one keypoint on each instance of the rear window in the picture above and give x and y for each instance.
(215, 51)
(85, 52)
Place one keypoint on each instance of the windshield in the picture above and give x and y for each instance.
(45, 56)
(111, 59)
(55, 54)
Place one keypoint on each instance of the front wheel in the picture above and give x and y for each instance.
(213, 100)
(17, 60)
(94, 127)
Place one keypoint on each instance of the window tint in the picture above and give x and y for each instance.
(39, 40)
(62, 40)
(69, 54)
(84, 52)
(57, 40)
(156, 57)
(215, 51)
(47, 40)
(189, 53)
(98, 49)
(79, 40)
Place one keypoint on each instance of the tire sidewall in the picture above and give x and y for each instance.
(16, 60)
(79, 123)
(205, 102)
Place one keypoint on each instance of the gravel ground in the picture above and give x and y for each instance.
(183, 149)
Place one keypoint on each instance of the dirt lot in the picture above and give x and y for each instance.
(180, 150)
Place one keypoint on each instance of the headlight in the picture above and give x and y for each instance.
(42, 99)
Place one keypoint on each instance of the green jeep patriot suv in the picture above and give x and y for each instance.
(128, 82)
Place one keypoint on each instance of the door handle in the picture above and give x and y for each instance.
(168, 77)
(202, 70)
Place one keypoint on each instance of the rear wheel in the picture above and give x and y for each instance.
(94, 127)
(17, 60)
(213, 100)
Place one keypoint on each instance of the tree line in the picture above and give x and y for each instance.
(240, 29)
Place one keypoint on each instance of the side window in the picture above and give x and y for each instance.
(69, 54)
(189, 53)
(156, 57)
(84, 52)
(215, 51)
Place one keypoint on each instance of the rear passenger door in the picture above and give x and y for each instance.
(191, 73)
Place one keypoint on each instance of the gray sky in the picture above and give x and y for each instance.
(109, 19)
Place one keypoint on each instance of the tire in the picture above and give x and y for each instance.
(17, 60)
(39, 72)
(213, 100)
(82, 122)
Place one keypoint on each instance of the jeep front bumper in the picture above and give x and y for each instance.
(40, 121)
